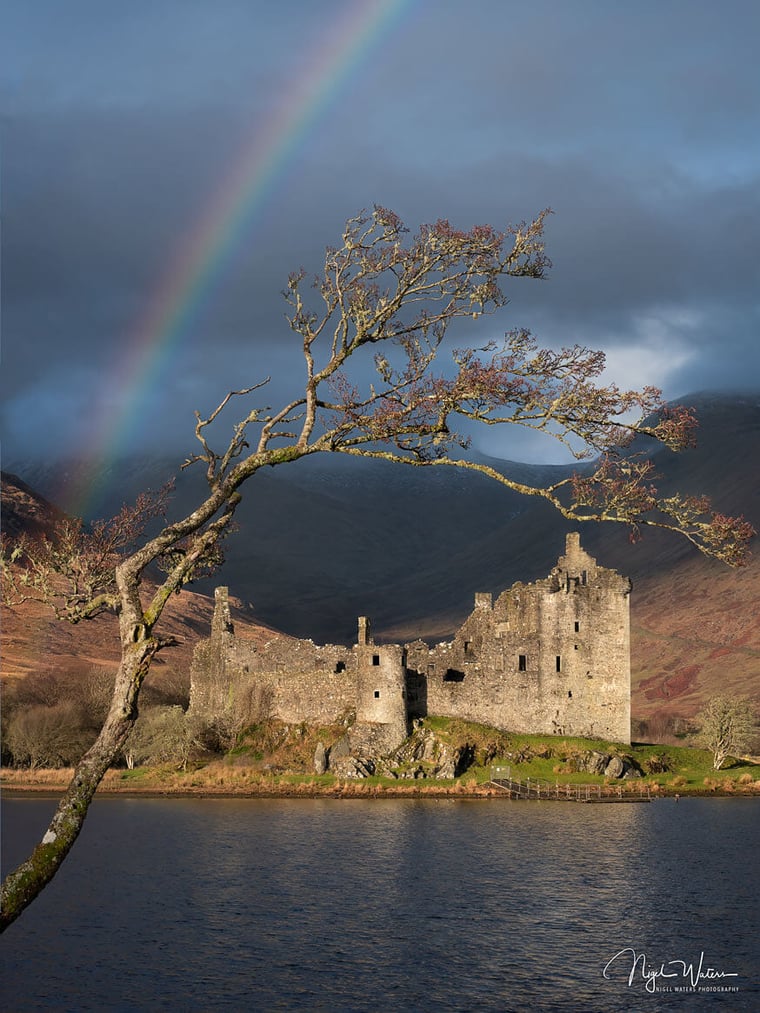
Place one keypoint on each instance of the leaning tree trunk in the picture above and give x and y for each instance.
(21, 886)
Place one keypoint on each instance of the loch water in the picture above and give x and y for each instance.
(384, 905)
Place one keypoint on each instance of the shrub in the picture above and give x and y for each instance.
(161, 735)
(658, 763)
(41, 736)
(726, 727)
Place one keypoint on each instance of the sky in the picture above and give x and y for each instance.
(166, 163)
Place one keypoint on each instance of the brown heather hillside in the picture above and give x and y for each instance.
(34, 641)
(695, 631)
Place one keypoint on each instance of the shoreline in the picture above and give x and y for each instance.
(352, 790)
(343, 791)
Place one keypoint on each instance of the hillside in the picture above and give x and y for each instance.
(695, 632)
(330, 539)
(34, 641)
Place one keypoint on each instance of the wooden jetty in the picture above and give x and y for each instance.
(535, 789)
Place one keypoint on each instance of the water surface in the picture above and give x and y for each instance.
(387, 905)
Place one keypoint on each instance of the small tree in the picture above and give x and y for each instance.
(726, 727)
(393, 297)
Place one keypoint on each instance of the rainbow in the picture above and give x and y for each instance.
(358, 30)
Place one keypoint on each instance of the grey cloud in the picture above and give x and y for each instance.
(637, 124)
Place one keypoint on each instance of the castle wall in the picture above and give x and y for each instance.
(551, 657)
(294, 680)
(305, 682)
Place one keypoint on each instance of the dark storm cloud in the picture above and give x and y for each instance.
(638, 124)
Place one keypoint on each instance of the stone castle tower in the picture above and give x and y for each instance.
(380, 690)
(549, 657)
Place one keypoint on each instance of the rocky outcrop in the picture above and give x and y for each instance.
(353, 766)
(423, 754)
(610, 765)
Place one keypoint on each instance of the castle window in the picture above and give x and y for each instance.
(340, 667)
(583, 577)
(522, 663)
(569, 694)
(559, 663)
(377, 694)
(577, 626)
(376, 659)
(468, 648)
(453, 675)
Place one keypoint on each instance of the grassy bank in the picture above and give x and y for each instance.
(249, 771)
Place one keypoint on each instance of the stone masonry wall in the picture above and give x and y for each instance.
(294, 680)
(551, 657)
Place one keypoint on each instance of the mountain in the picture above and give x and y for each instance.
(331, 538)
(25, 511)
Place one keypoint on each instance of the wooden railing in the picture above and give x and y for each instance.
(538, 788)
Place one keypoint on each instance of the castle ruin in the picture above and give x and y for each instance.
(552, 657)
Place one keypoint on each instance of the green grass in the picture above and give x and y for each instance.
(690, 768)
(322, 780)
(137, 774)
(543, 757)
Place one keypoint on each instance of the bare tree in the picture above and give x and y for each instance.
(40, 736)
(162, 735)
(726, 726)
(49, 721)
(392, 296)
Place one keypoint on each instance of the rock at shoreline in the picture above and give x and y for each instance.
(320, 758)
